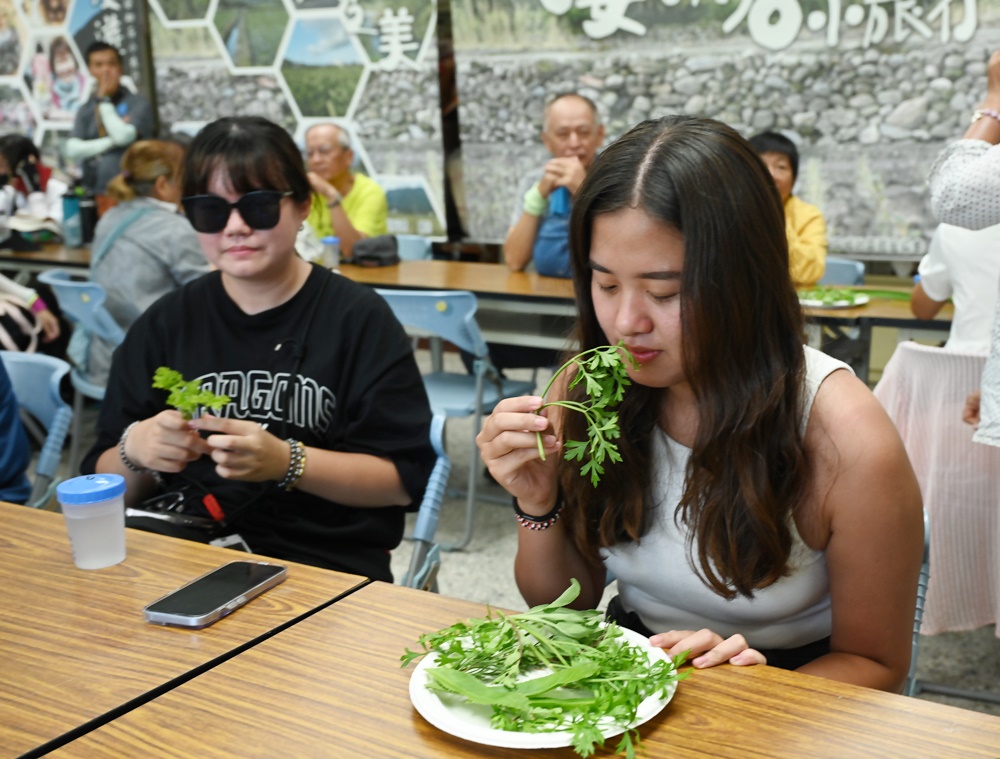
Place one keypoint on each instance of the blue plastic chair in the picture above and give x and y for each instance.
(843, 271)
(451, 315)
(426, 558)
(35, 378)
(83, 302)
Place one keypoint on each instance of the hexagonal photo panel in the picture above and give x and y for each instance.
(412, 210)
(47, 12)
(11, 36)
(251, 30)
(323, 66)
(55, 78)
(183, 10)
(15, 113)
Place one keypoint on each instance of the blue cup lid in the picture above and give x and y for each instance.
(330, 239)
(90, 488)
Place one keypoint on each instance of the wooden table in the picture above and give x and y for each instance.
(73, 642)
(332, 686)
(51, 256)
(520, 308)
(881, 312)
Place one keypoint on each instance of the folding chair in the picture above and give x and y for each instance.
(451, 315)
(426, 558)
(83, 303)
(35, 378)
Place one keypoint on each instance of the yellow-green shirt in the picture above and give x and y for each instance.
(806, 232)
(365, 205)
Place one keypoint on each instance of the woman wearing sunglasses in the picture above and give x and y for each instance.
(324, 442)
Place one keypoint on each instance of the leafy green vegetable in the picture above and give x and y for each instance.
(828, 295)
(187, 397)
(604, 373)
(550, 668)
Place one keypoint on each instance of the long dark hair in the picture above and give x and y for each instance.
(742, 352)
(255, 154)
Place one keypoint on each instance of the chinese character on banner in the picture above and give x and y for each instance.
(396, 40)
(354, 18)
(962, 31)
(606, 16)
(773, 24)
(109, 28)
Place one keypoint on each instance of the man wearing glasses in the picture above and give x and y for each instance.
(348, 205)
(572, 132)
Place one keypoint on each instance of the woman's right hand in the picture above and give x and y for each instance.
(164, 443)
(509, 448)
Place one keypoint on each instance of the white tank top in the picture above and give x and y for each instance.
(656, 578)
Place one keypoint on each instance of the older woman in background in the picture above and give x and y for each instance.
(143, 247)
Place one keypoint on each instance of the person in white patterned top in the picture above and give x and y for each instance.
(965, 191)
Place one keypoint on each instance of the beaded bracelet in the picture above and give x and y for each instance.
(985, 112)
(296, 465)
(129, 464)
(544, 522)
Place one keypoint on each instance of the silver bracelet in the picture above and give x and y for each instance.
(296, 465)
(129, 464)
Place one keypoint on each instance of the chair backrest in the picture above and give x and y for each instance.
(843, 271)
(450, 314)
(923, 389)
(83, 302)
(36, 378)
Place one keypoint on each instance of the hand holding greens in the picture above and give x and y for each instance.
(594, 677)
(186, 397)
(604, 373)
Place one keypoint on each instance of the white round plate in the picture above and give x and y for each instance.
(458, 717)
(859, 300)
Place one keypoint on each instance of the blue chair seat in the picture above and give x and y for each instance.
(453, 395)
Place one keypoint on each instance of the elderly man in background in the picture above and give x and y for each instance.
(348, 205)
(572, 133)
(111, 120)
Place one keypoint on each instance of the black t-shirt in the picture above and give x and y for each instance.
(357, 390)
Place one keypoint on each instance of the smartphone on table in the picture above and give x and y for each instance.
(212, 596)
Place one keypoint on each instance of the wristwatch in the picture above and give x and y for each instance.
(979, 113)
(333, 203)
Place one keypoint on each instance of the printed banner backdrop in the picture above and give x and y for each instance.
(43, 77)
(369, 66)
(870, 90)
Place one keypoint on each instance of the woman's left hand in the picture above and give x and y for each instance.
(708, 649)
(244, 450)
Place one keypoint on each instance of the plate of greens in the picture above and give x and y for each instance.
(831, 297)
(546, 678)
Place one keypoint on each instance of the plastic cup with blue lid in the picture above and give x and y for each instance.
(94, 508)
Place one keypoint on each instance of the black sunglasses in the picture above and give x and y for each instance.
(209, 214)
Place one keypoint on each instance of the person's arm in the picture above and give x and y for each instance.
(806, 232)
(546, 559)
(120, 131)
(934, 288)
(78, 149)
(348, 234)
(965, 179)
(865, 499)
(520, 241)
(922, 305)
